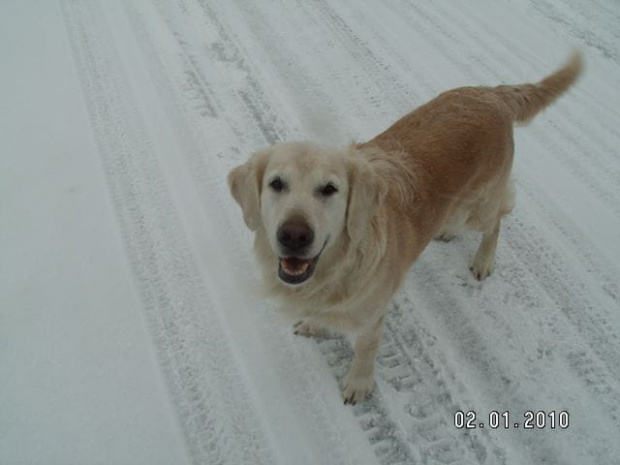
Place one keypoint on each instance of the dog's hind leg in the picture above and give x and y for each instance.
(482, 266)
(483, 262)
(360, 380)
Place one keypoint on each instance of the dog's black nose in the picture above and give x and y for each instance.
(295, 234)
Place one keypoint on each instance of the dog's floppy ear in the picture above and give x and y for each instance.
(245, 186)
(366, 192)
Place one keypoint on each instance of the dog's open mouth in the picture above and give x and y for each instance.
(294, 270)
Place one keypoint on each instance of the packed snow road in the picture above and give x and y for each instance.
(129, 328)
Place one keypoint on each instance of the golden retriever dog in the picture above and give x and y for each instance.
(336, 229)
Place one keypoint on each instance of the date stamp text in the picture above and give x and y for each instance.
(504, 420)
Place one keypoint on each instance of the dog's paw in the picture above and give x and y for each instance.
(303, 328)
(482, 268)
(357, 388)
(445, 237)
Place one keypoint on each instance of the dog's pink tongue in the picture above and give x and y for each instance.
(294, 265)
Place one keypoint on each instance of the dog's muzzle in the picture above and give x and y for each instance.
(295, 238)
(296, 270)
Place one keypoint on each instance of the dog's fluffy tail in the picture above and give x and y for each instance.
(526, 100)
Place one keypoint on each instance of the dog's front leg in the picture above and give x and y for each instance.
(360, 380)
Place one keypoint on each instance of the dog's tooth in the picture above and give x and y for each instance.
(298, 267)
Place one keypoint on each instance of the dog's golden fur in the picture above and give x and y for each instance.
(443, 168)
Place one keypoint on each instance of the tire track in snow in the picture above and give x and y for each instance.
(602, 274)
(310, 108)
(386, 86)
(409, 417)
(392, 71)
(198, 18)
(211, 184)
(434, 397)
(384, 433)
(500, 346)
(593, 319)
(173, 67)
(175, 300)
(568, 19)
(430, 399)
(264, 115)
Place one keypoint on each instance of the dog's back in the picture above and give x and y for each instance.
(460, 147)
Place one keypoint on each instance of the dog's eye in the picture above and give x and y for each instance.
(328, 190)
(277, 185)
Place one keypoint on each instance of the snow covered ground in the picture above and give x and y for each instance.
(129, 331)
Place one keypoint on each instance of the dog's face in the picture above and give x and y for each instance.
(305, 197)
(303, 206)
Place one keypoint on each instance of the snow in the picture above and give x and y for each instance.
(130, 331)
